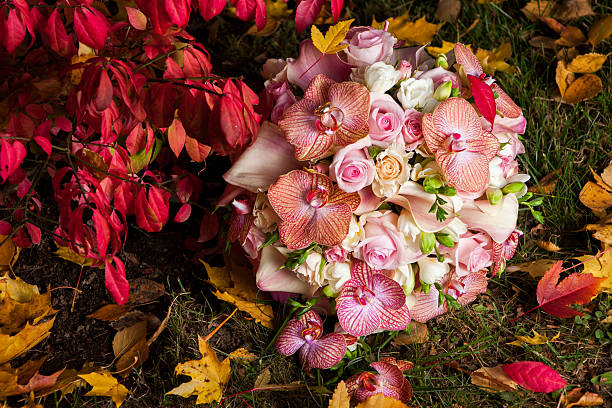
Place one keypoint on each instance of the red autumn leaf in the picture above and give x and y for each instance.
(104, 92)
(336, 6)
(210, 8)
(176, 137)
(209, 227)
(196, 63)
(34, 233)
(161, 104)
(152, 209)
(306, 13)
(137, 18)
(12, 29)
(261, 17)
(534, 376)
(556, 298)
(183, 213)
(103, 232)
(196, 150)
(483, 98)
(115, 280)
(11, 157)
(90, 26)
(178, 11)
(54, 33)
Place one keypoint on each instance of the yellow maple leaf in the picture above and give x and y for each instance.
(242, 354)
(600, 267)
(105, 385)
(208, 375)
(446, 47)
(340, 399)
(68, 254)
(380, 401)
(28, 337)
(330, 43)
(419, 32)
(494, 60)
(535, 340)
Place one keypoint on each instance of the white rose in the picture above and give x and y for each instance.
(496, 173)
(380, 77)
(355, 234)
(336, 274)
(392, 170)
(455, 229)
(311, 271)
(404, 275)
(417, 93)
(430, 270)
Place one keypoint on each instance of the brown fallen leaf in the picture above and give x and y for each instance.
(415, 333)
(567, 54)
(548, 246)
(587, 63)
(8, 250)
(493, 379)
(105, 385)
(600, 30)
(20, 303)
(110, 313)
(535, 269)
(69, 255)
(553, 24)
(536, 9)
(340, 398)
(596, 198)
(242, 354)
(263, 378)
(546, 184)
(602, 232)
(573, 9)
(585, 87)
(134, 357)
(600, 181)
(541, 41)
(571, 37)
(535, 340)
(143, 290)
(606, 175)
(448, 10)
(578, 398)
(563, 77)
(129, 343)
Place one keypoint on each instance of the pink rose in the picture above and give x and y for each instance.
(385, 120)
(253, 241)
(367, 45)
(411, 131)
(383, 245)
(352, 167)
(439, 76)
(472, 253)
(336, 254)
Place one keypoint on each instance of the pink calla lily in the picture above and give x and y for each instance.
(330, 114)
(370, 301)
(305, 335)
(462, 148)
(499, 221)
(312, 209)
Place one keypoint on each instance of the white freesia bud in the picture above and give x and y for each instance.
(431, 270)
(455, 229)
(417, 93)
(404, 275)
(443, 91)
(355, 234)
(380, 77)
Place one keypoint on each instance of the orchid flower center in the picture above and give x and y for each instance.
(329, 118)
(317, 197)
(363, 295)
(455, 289)
(367, 381)
(457, 142)
(312, 332)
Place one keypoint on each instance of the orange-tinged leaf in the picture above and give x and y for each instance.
(535, 340)
(7, 252)
(330, 43)
(585, 87)
(68, 254)
(535, 269)
(105, 385)
(563, 77)
(494, 60)
(555, 297)
(595, 197)
(606, 175)
(579, 398)
(28, 337)
(571, 36)
(380, 401)
(109, 313)
(242, 354)
(548, 246)
(340, 399)
(602, 232)
(261, 313)
(588, 63)
(538, 8)
(600, 30)
(208, 375)
(546, 184)
(493, 379)
(419, 32)
(415, 333)
(572, 9)
(446, 47)
(600, 267)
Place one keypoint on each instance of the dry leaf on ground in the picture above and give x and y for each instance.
(20, 303)
(143, 290)
(446, 47)
(109, 313)
(494, 60)
(535, 340)
(535, 269)
(340, 398)
(263, 378)
(448, 10)
(28, 337)
(419, 32)
(380, 401)
(546, 185)
(596, 198)
(242, 354)
(130, 347)
(563, 77)
(583, 88)
(571, 37)
(573, 9)
(415, 333)
(69, 255)
(600, 267)
(536, 8)
(578, 398)
(587, 63)
(208, 375)
(600, 30)
(105, 385)
(493, 379)
(548, 246)
(8, 251)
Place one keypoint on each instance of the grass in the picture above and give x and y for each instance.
(564, 138)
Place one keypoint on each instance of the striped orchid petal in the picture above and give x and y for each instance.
(389, 381)
(505, 105)
(473, 284)
(466, 171)
(324, 352)
(426, 306)
(433, 138)
(290, 340)
(388, 292)
(467, 60)
(318, 90)
(299, 124)
(389, 373)
(288, 194)
(456, 115)
(356, 318)
(353, 100)
(395, 320)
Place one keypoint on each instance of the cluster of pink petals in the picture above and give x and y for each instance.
(330, 114)
(312, 209)
(305, 334)
(371, 301)
(504, 251)
(462, 148)
(390, 381)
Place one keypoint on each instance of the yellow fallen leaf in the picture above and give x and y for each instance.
(208, 375)
(595, 197)
(535, 340)
(20, 303)
(535, 269)
(600, 267)
(218, 277)
(28, 337)
(341, 398)
(585, 87)
(419, 32)
(538, 8)
(105, 385)
(493, 379)
(242, 354)
(563, 77)
(8, 250)
(494, 60)
(586, 64)
(548, 246)
(277, 11)
(446, 47)
(606, 175)
(602, 232)
(600, 30)
(380, 401)
(261, 313)
(330, 43)
(71, 256)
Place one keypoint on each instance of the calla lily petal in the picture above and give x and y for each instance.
(311, 63)
(497, 220)
(272, 277)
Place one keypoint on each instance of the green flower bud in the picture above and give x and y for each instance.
(433, 182)
(443, 91)
(513, 187)
(494, 195)
(428, 242)
(445, 240)
(441, 61)
(328, 291)
(425, 287)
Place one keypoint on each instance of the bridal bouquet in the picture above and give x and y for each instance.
(383, 183)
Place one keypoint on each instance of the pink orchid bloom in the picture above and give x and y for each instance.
(330, 114)
(463, 289)
(370, 301)
(305, 334)
(463, 149)
(484, 89)
(504, 251)
(390, 381)
(312, 209)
